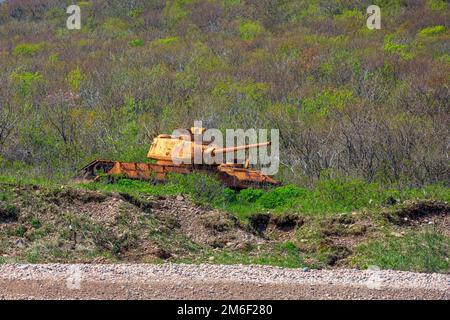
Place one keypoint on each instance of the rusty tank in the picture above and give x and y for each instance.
(175, 154)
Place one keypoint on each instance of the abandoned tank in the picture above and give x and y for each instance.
(176, 154)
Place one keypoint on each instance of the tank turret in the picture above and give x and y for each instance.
(182, 148)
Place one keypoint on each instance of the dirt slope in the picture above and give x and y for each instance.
(69, 224)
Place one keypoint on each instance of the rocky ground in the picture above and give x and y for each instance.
(70, 243)
(179, 281)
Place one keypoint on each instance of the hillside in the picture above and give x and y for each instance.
(43, 224)
(372, 104)
(363, 117)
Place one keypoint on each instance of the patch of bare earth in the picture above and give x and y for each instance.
(420, 214)
(208, 226)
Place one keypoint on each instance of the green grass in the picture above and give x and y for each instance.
(327, 197)
(284, 255)
(134, 187)
(420, 252)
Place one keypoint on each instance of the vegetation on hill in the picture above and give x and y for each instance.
(370, 104)
(363, 117)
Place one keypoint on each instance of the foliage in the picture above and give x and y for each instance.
(165, 41)
(203, 188)
(25, 80)
(250, 195)
(401, 49)
(328, 196)
(322, 103)
(437, 4)
(136, 43)
(27, 49)
(280, 196)
(431, 31)
(75, 78)
(369, 104)
(36, 223)
(249, 30)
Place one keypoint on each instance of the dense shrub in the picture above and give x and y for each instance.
(27, 49)
(431, 31)
(370, 104)
(249, 30)
(250, 195)
(203, 188)
(280, 196)
(229, 195)
(136, 43)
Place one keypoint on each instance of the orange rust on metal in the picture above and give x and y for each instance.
(166, 148)
(233, 176)
(246, 147)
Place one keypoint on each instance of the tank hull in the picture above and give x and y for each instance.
(233, 176)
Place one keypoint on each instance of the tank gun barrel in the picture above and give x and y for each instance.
(238, 148)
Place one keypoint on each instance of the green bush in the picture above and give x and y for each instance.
(136, 43)
(36, 223)
(27, 49)
(75, 78)
(402, 50)
(203, 188)
(431, 31)
(271, 200)
(249, 30)
(25, 81)
(165, 41)
(280, 196)
(229, 195)
(290, 191)
(342, 190)
(134, 13)
(329, 99)
(437, 5)
(250, 195)
(127, 182)
(20, 231)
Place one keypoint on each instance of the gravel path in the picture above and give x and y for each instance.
(178, 281)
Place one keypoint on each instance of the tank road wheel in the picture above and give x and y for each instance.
(90, 172)
(102, 168)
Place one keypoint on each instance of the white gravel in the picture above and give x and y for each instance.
(189, 276)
